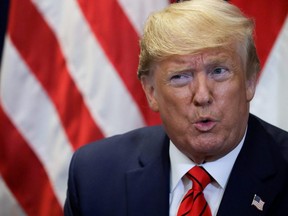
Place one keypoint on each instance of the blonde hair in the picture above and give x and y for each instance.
(193, 26)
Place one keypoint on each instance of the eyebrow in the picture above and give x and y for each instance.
(214, 61)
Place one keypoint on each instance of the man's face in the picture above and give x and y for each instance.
(203, 101)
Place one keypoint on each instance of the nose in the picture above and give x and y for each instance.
(201, 91)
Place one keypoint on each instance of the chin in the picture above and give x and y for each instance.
(207, 151)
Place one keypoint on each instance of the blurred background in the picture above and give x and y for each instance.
(68, 77)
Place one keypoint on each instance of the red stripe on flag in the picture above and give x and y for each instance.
(120, 42)
(39, 48)
(267, 27)
(24, 174)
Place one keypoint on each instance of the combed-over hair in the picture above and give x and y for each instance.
(193, 26)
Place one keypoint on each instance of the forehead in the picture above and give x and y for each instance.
(208, 56)
(228, 57)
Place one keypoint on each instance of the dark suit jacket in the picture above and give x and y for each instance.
(129, 175)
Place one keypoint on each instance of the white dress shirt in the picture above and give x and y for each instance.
(180, 184)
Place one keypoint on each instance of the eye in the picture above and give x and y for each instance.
(220, 73)
(219, 70)
(181, 79)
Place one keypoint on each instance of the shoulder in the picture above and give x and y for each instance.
(95, 167)
(120, 148)
(276, 135)
(132, 139)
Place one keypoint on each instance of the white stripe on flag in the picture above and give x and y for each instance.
(8, 204)
(35, 118)
(103, 90)
(138, 11)
(271, 98)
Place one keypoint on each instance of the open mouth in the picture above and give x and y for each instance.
(205, 120)
(205, 124)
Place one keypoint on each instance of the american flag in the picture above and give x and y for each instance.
(68, 76)
(258, 203)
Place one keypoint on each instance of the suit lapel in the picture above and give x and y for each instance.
(148, 185)
(253, 173)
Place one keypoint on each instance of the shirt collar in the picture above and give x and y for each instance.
(219, 169)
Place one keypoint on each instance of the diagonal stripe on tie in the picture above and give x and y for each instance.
(188, 195)
(195, 179)
(194, 203)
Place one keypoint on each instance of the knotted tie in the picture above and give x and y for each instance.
(194, 203)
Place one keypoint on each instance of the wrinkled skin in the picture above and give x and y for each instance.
(203, 100)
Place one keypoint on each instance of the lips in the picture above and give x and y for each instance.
(205, 124)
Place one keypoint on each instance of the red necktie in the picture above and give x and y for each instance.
(194, 203)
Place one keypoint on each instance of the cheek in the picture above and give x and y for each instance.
(231, 99)
(174, 105)
(174, 97)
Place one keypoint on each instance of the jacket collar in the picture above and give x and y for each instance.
(148, 185)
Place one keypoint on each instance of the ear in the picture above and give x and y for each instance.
(149, 89)
(251, 83)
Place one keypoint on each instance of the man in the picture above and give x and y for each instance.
(198, 68)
